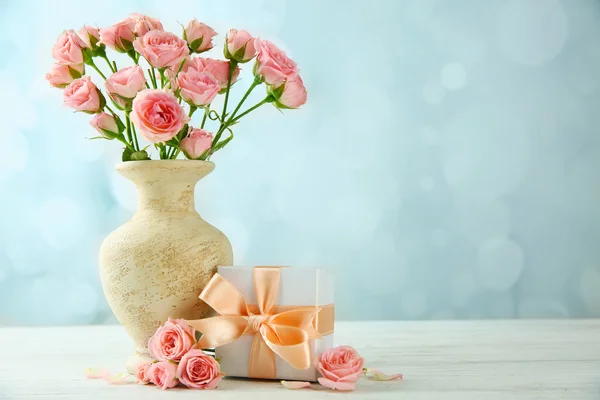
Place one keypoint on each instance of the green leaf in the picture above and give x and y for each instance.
(87, 56)
(140, 156)
(195, 45)
(126, 154)
(109, 135)
(96, 138)
(74, 73)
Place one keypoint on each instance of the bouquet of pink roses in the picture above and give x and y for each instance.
(151, 94)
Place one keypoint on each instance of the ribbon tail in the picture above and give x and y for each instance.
(218, 331)
(261, 364)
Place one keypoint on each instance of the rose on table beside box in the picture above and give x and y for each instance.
(272, 323)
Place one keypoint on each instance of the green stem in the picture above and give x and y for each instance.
(122, 140)
(176, 154)
(97, 69)
(161, 71)
(152, 78)
(206, 111)
(268, 99)
(232, 65)
(128, 124)
(115, 65)
(112, 68)
(255, 83)
(137, 145)
(192, 111)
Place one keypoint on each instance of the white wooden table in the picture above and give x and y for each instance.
(440, 360)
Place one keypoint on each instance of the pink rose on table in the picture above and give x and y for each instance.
(141, 373)
(106, 125)
(124, 85)
(196, 370)
(162, 49)
(196, 143)
(240, 46)
(90, 35)
(293, 94)
(83, 95)
(197, 88)
(163, 374)
(142, 24)
(159, 117)
(199, 36)
(217, 68)
(119, 36)
(172, 340)
(61, 75)
(273, 65)
(67, 49)
(341, 367)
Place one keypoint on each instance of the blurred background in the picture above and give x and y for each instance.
(447, 164)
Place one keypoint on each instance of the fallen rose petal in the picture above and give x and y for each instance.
(376, 375)
(295, 384)
(118, 379)
(96, 373)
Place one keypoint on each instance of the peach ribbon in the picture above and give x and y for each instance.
(286, 333)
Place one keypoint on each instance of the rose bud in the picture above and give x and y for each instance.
(106, 125)
(217, 68)
(162, 49)
(124, 85)
(142, 24)
(61, 76)
(196, 143)
(197, 88)
(67, 49)
(90, 36)
(119, 36)
(198, 36)
(239, 46)
(273, 66)
(83, 95)
(292, 94)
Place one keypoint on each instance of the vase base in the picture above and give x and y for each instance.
(135, 359)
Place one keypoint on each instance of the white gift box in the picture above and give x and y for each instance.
(297, 287)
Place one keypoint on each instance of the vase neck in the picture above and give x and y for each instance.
(166, 185)
(166, 196)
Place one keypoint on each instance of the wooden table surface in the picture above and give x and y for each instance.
(519, 359)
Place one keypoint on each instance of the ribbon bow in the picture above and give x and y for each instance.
(286, 333)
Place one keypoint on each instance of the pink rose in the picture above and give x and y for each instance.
(159, 117)
(163, 374)
(196, 370)
(162, 49)
(119, 36)
(240, 46)
(196, 143)
(124, 85)
(273, 65)
(199, 36)
(197, 88)
(341, 367)
(217, 68)
(89, 35)
(106, 125)
(61, 75)
(293, 94)
(141, 373)
(67, 49)
(172, 340)
(142, 24)
(83, 95)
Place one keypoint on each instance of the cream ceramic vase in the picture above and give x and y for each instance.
(155, 266)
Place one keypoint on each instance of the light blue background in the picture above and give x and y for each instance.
(447, 164)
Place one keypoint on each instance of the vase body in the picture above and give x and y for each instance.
(155, 265)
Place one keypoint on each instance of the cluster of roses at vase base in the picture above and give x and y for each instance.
(150, 96)
(178, 361)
